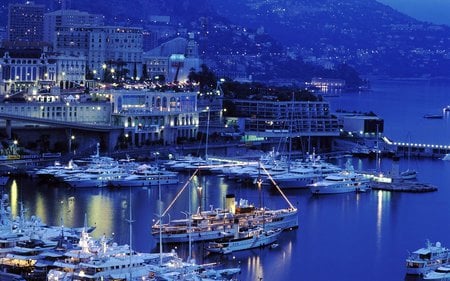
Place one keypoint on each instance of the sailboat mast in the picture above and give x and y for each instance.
(291, 120)
(160, 220)
(207, 132)
(130, 221)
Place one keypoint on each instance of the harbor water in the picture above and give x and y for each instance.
(349, 237)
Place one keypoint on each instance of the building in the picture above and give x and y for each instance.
(110, 51)
(150, 116)
(263, 120)
(24, 68)
(26, 22)
(173, 59)
(68, 18)
(362, 124)
(327, 84)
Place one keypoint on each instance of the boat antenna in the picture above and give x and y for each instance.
(130, 221)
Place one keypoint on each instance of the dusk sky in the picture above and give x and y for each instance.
(435, 11)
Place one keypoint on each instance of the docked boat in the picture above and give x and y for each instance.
(244, 240)
(345, 181)
(433, 116)
(341, 183)
(144, 176)
(218, 223)
(408, 175)
(427, 259)
(441, 273)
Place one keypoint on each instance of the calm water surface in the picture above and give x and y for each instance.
(341, 237)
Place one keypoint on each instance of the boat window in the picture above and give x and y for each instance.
(425, 256)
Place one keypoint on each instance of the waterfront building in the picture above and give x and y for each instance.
(59, 108)
(361, 124)
(266, 120)
(150, 116)
(326, 84)
(26, 22)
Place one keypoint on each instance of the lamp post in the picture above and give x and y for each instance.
(71, 140)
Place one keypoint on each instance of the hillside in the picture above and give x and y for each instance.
(288, 38)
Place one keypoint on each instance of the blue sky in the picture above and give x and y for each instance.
(436, 11)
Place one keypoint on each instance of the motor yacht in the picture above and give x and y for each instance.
(244, 240)
(427, 258)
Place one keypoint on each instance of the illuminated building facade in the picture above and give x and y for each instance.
(173, 59)
(112, 50)
(151, 116)
(59, 109)
(269, 119)
(26, 22)
(22, 68)
(70, 18)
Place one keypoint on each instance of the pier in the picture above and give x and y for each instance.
(418, 149)
(404, 186)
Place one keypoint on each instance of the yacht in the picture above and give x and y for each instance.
(244, 240)
(341, 183)
(345, 181)
(144, 176)
(218, 223)
(427, 259)
(440, 273)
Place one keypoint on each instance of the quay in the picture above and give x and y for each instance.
(405, 186)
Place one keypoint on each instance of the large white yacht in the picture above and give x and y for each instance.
(144, 175)
(427, 259)
(345, 181)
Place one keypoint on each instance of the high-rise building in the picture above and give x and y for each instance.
(25, 22)
(69, 18)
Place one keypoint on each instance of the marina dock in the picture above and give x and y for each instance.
(404, 186)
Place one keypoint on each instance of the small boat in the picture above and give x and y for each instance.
(427, 259)
(244, 240)
(433, 116)
(408, 175)
(274, 245)
(446, 157)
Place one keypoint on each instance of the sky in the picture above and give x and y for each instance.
(435, 11)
